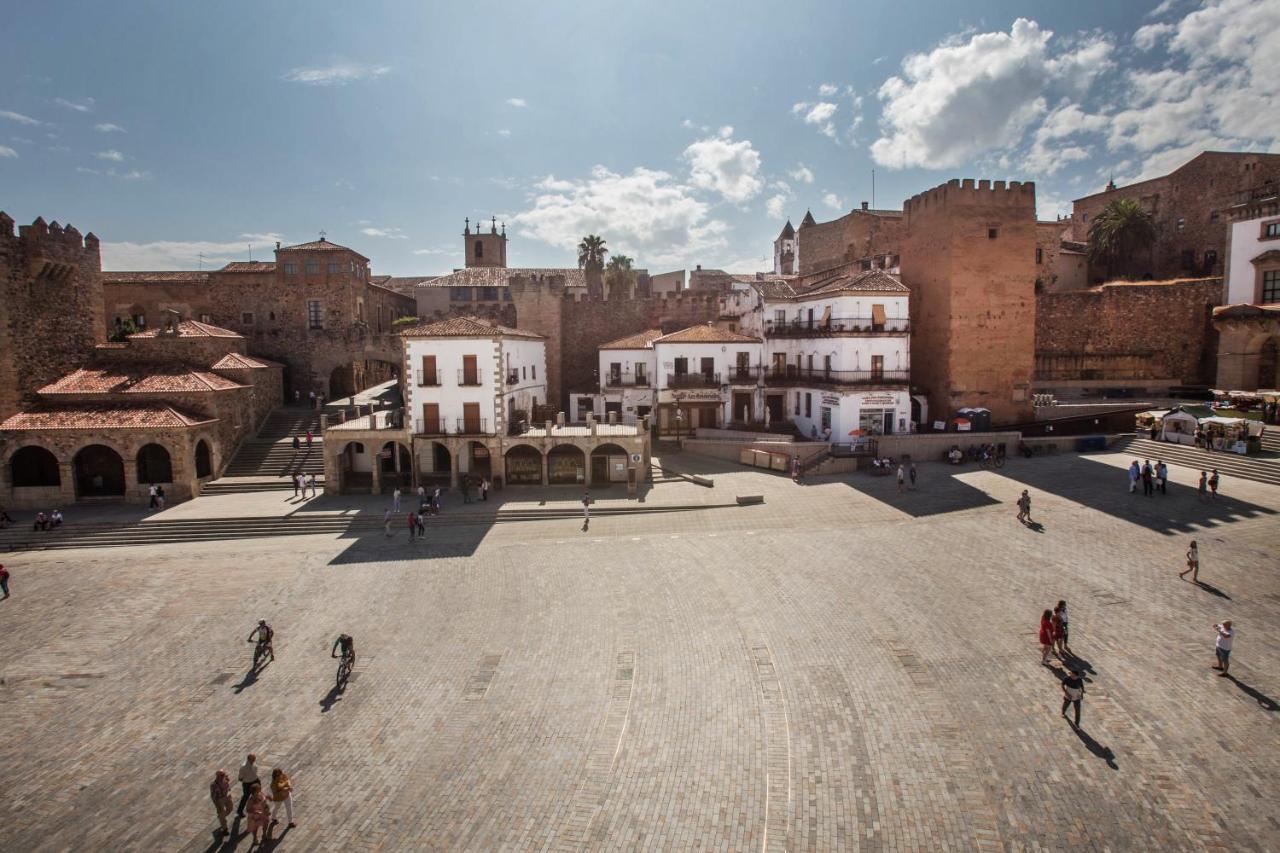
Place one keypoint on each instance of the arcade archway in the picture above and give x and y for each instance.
(99, 472)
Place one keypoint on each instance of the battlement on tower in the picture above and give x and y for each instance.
(970, 193)
(532, 284)
(47, 251)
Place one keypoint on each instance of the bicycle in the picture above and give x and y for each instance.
(344, 670)
(261, 650)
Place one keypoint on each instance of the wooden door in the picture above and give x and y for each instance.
(429, 371)
(471, 417)
(431, 418)
(470, 375)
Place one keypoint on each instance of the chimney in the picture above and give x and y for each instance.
(864, 205)
(277, 245)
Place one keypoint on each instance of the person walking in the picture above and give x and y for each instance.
(413, 524)
(1134, 475)
(1222, 647)
(422, 525)
(282, 797)
(386, 522)
(220, 793)
(586, 510)
(1055, 632)
(4, 581)
(310, 438)
(1213, 484)
(484, 488)
(248, 778)
(1024, 507)
(902, 479)
(311, 481)
(422, 496)
(465, 485)
(911, 472)
(1203, 488)
(1064, 647)
(297, 484)
(435, 501)
(1072, 693)
(1193, 563)
(395, 500)
(1162, 476)
(311, 396)
(259, 813)
(152, 492)
(1046, 636)
(297, 444)
(1148, 478)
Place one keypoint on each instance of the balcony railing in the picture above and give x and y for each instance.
(428, 378)
(692, 380)
(818, 376)
(626, 380)
(743, 375)
(513, 377)
(469, 378)
(459, 426)
(835, 326)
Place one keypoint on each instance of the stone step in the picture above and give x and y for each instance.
(1257, 469)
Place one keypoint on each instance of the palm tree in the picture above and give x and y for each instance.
(620, 263)
(1122, 230)
(591, 252)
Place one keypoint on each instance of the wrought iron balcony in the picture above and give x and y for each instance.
(471, 426)
(744, 375)
(626, 380)
(816, 328)
(818, 376)
(469, 378)
(428, 378)
(692, 380)
(513, 377)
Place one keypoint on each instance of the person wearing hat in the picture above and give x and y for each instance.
(220, 793)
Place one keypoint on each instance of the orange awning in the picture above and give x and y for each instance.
(826, 316)
(877, 315)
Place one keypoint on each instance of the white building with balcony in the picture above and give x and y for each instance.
(628, 370)
(706, 377)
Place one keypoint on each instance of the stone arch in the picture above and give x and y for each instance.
(566, 465)
(395, 464)
(437, 462)
(355, 467)
(33, 465)
(154, 464)
(479, 459)
(99, 472)
(604, 460)
(204, 459)
(341, 382)
(523, 465)
(1269, 363)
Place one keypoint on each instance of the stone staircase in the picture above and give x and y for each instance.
(1264, 468)
(268, 462)
(157, 531)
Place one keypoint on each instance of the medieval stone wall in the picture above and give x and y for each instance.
(1128, 332)
(968, 255)
(857, 234)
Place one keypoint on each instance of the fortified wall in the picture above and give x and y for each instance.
(858, 234)
(50, 306)
(1148, 334)
(968, 255)
(575, 327)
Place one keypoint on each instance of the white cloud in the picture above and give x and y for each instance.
(391, 233)
(131, 175)
(1048, 154)
(175, 255)
(826, 90)
(1165, 6)
(833, 201)
(82, 106)
(504, 132)
(1147, 37)
(108, 127)
(818, 114)
(967, 99)
(776, 207)
(19, 118)
(338, 74)
(6, 151)
(517, 102)
(801, 173)
(646, 214)
(440, 251)
(110, 154)
(1049, 205)
(720, 164)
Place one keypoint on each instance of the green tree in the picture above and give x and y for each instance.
(122, 331)
(591, 252)
(618, 274)
(1121, 231)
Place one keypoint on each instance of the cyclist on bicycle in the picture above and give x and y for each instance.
(263, 636)
(348, 646)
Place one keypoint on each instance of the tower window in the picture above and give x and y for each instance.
(479, 249)
(1039, 256)
(992, 232)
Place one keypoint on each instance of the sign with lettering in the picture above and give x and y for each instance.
(878, 400)
(830, 400)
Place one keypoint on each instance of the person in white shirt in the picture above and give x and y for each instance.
(1223, 646)
(395, 500)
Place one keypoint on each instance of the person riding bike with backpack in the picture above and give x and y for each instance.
(263, 635)
(348, 647)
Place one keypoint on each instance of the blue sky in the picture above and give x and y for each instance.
(684, 133)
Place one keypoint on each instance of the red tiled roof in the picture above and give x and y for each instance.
(640, 340)
(104, 416)
(500, 276)
(236, 361)
(190, 329)
(249, 266)
(868, 281)
(139, 378)
(155, 277)
(465, 327)
(321, 245)
(706, 334)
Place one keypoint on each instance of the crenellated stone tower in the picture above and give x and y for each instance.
(50, 306)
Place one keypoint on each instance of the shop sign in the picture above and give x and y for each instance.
(700, 396)
(830, 400)
(879, 400)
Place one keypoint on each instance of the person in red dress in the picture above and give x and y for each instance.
(1046, 636)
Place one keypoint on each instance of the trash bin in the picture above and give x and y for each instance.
(1091, 443)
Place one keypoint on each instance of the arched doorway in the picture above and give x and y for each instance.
(99, 472)
(608, 465)
(204, 459)
(355, 468)
(396, 465)
(34, 466)
(1268, 364)
(154, 465)
(437, 463)
(524, 465)
(480, 463)
(341, 382)
(566, 465)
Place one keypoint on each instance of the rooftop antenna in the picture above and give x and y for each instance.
(250, 253)
(322, 235)
(201, 256)
(873, 189)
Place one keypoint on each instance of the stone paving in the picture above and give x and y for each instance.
(843, 667)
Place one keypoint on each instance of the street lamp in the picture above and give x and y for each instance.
(679, 421)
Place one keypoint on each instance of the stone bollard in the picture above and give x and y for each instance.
(548, 427)
(613, 418)
(324, 423)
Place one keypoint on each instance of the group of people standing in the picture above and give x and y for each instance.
(157, 496)
(302, 482)
(1150, 477)
(1054, 637)
(263, 806)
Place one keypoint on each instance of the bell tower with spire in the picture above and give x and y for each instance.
(485, 249)
(784, 251)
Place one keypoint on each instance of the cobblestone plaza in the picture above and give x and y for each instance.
(842, 667)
